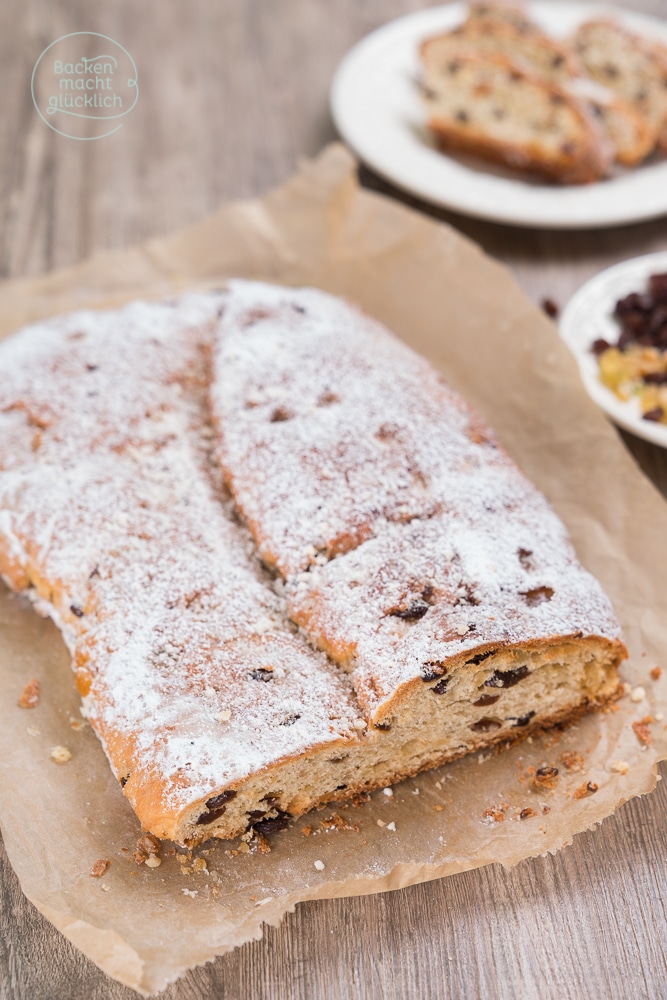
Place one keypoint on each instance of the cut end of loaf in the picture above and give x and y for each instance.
(494, 699)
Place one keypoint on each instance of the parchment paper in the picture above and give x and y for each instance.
(466, 313)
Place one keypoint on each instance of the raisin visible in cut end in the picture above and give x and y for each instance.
(76, 610)
(486, 725)
(215, 807)
(506, 678)
(441, 686)
(524, 719)
(480, 657)
(485, 700)
(431, 670)
(278, 822)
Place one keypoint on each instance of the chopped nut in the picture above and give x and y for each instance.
(153, 862)
(99, 867)
(140, 857)
(30, 694)
(637, 694)
(61, 755)
(642, 730)
(620, 766)
(656, 673)
(588, 788)
(319, 865)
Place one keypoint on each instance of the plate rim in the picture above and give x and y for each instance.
(618, 213)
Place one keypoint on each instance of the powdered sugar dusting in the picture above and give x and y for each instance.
(191, 673)
(405, 534)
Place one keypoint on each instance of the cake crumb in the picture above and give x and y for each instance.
(30, 694)
(319, 865)
(642, 730)
(496, 812)
(588, 788)
(620, 766)
(527, 813)
(199, 865)
(306, 830)
(572, 761)
(244, 848)
(190, 892)
(637, 694)
(381, 822)
(153, 862)
(659, 716)
(99, 867)
(438, 808)
(656, 673)
(545, 777)
(60, 755)
(338, 822)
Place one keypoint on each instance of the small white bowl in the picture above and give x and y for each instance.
(589, 316)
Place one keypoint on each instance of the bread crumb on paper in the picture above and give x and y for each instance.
(30, 694)
(60, 755)
(99, 867)
(583, 791)
(319, 865)
(620, 766)
(637, 694)
(643, 731)
(656, 673)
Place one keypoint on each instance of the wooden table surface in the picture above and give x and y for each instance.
(232, 94)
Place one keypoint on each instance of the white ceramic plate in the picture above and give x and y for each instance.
(589, 315)
(377, 109)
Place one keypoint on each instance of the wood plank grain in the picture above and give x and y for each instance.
(232, 93)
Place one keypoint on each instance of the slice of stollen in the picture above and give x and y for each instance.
(555, 62)
(629, 65)
(488, 106)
